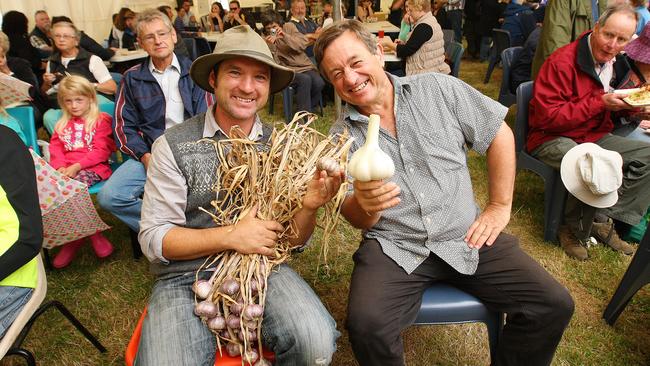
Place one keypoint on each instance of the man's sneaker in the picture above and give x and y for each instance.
(573, 247)
(606, 234)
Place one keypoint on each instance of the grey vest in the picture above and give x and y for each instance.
(198, 162)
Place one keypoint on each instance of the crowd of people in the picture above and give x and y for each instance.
(419, 227)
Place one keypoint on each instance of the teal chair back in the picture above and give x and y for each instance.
(25, 117)
(53, 115)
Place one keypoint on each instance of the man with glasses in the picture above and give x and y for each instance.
(153, 96)
(236, 16)
(573, 103)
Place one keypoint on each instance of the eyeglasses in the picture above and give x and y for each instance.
(63, 36)
(151, 38)
(233, 9)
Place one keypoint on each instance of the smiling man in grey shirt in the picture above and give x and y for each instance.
(423, 225)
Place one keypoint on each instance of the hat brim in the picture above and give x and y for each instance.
(570, 174)
(202, 67)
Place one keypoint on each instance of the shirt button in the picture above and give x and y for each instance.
(401, 146)
(411, 169)
(421, 194)
(428, 220)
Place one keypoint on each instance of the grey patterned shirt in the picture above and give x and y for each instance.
(437, 118)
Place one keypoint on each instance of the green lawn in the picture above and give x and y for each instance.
(108, 296)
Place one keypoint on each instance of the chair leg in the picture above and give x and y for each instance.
(25, 354)
(42, 309)
(555, 195)
(635, 277)
(47, 260)
(135, 245)
(287, 103)
(488, 74)
(271, 101)
(495, 328)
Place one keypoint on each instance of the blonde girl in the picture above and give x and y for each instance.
(79, 148)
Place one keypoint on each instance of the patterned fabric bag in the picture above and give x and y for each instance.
(68, 212)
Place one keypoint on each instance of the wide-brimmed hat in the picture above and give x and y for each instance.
(592, 174)
(237, 42)
(639, 48)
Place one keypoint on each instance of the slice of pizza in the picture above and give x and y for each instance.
(639, 98)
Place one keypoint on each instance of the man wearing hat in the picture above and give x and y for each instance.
(177, 237)
(573, 103)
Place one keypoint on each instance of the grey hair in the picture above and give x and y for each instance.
(622, 8)
(334, 31)
(148, 16)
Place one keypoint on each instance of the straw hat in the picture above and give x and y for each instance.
(639, 48)
(592, 174)
(237, 42)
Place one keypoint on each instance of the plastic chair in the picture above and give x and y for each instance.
(554, 191)
(25, 117)
(636, 276)
(51, 116)
(455, 54)
(223, 360)
(202, 46)
(287, 103)
(11, 343)
(191, 47)
(501, 39)
(445, 304)
(508, 56)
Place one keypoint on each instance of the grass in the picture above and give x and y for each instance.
(108, 296)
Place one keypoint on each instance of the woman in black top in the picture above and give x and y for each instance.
(14, 24)
(216, 17)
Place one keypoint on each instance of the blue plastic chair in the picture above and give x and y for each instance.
(636, 276)
(555, 193)
(508, 56)
(501, 39)
(51, 116)
(191, 47)
(25, 117)
(445, 304)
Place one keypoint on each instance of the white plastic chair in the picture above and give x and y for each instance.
(11, 343)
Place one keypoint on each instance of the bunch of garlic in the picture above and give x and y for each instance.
(370, 162)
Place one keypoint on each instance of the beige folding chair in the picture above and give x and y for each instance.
(11, 343)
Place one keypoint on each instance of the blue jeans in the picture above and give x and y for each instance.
(121, 195)
(296, 326)
(12, 300)
(485, 51)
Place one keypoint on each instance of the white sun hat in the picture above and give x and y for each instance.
(592, 174)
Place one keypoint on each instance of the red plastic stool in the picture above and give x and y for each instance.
(225, 360)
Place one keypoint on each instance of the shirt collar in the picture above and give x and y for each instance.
(596, 63)
(175, 65)
(211, 127)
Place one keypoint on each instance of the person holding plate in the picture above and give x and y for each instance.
(573, 103)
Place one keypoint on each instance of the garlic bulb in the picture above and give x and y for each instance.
(370, 162)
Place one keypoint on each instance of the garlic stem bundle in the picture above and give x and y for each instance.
(370, 162)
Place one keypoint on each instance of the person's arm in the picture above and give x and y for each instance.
(105, 82)
(18, 181)
(162, 233)
(126, 123)
(103, 144)
(501, 164)
(421, 34)
(363, 208)
(361, 13)
(57, 152)
(558, 110)
(293, 39)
